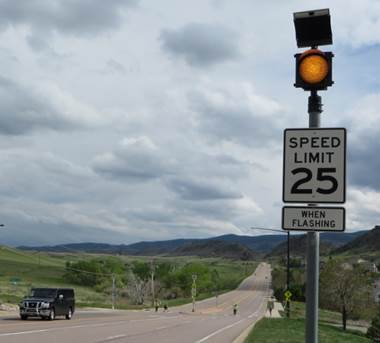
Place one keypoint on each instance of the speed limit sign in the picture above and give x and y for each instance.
(314, 168)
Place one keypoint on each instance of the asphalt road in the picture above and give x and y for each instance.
(213, 321)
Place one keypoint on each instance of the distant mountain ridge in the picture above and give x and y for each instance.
(216, 248)
(368, 242)
(329, 242)
(258, 244)
(298, 247)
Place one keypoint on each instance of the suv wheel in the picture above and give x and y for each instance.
(52, 314)
(24, 317)
(69, 314)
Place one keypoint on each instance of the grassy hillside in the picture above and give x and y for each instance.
(21, 270)
(369, 242)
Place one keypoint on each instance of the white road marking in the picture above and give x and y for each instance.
(83, 326)
(57, 329)
(219, 331)
(22, 332)
(111, 338)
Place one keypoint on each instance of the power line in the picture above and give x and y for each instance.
(93, 273)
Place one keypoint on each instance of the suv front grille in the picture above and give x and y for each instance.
(32, 304)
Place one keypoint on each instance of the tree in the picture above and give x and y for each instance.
(345, 288)
(137, 288)
(374, 330)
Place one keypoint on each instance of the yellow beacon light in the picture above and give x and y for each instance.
(313, 67)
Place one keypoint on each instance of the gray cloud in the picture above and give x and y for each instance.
(116, 67)
(42, 177)
(189, 189)
(363, 144)
(24, 109)
(136, 159)
(73, 17)
(364, 161)
(201, 44)
(241, 117)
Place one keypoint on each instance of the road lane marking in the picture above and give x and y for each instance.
(142, 333)
(84, 326)
(57, 329)
(219, 331)
(23, 332)
(112, 338)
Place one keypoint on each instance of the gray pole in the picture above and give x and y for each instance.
(312, 280)
(113, 291)
(152, 268)
(194, 290)
(288, 276)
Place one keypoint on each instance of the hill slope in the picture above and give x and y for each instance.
(298, 246)
(368, 242)
(215, 248)
(329, 241)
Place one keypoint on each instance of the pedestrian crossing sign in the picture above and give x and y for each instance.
(288, 295)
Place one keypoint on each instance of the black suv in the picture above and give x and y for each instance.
(47, 303)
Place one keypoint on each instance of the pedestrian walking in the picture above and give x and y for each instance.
(235, 309)
(270, 306)
(156, 305)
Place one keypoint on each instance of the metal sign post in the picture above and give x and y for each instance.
(317, 166)
(312, 258)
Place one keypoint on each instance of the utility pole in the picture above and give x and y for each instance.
(194, 290)
(152, 270)
(113, 291)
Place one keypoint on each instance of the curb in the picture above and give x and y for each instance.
(241, 338)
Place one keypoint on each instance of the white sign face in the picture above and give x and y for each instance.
(314, 218)
(314, 165)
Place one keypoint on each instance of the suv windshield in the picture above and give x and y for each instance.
(43, 293)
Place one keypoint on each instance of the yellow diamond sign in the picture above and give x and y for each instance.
(288, 295)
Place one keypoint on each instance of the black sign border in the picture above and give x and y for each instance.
(315, 208)
(345, 166)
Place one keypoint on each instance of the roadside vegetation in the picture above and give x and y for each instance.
(345, 288)
(91, 277)
(347, 304)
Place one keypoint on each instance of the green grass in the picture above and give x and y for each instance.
(297, 311)
(34, 269)
(292, 331)
(31, 269)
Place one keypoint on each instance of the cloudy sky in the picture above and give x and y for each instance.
(128, 120)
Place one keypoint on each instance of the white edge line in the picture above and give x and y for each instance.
(82, 326)
(219, 331)
(114, 337)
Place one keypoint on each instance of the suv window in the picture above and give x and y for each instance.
(67, 293)
(43, 293)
